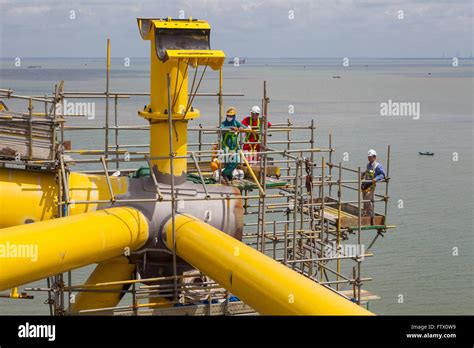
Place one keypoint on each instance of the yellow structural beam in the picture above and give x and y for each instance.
(35, 251)
(117, 269)
(263, 283)
(30, 196)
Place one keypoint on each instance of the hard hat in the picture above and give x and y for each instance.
(231, 111)
(255, 109)
(372, 153)
(214, 164)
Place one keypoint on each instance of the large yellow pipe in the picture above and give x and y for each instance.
(263, 283)
(26, 197)
(35, 251)
(31, 196)
(113, 270)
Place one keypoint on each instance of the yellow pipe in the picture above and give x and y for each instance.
(29, 196)
(36, 251)
(117, 269)
(108, 54)
(93, 187)
(263, 283)
(26, 197)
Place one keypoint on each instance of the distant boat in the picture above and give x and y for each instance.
(426, 153)
(34, 67)
(236, 61)
(336, 77)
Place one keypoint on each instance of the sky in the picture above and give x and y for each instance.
(244, 28)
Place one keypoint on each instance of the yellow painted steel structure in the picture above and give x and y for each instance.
(117, 269)
(36, 251)
(263, 283)
(31, 196)
(27, 197)
(175, 64)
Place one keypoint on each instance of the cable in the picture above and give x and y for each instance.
(197, 87)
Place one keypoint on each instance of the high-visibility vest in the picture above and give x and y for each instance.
(256, 135)
(370, 174)
(233, 136)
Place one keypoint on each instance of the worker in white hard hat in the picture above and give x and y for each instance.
(372, 174)
(252, 140)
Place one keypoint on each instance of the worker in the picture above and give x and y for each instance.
(372, 174)
(252, 140)
(230, 142)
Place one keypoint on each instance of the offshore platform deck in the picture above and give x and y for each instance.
(293, 207)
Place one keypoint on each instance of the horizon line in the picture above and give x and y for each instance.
(342, 57)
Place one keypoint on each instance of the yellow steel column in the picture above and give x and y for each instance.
(36, 251)
(159, 147)
(263, 283)
(181, 44)
(178, 71)
(157, 113)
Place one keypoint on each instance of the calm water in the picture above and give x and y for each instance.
(416, 259)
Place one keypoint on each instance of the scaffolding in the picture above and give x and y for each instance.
(300, 208)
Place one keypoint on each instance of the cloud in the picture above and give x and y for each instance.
(29, 11)
(243, 27)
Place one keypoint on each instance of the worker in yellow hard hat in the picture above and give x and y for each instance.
(230, 141)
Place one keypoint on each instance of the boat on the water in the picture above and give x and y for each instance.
(426, 153)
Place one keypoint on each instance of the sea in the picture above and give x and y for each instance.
(425, 264)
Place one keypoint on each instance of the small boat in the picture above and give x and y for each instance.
(236, 61)
(426, 153)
